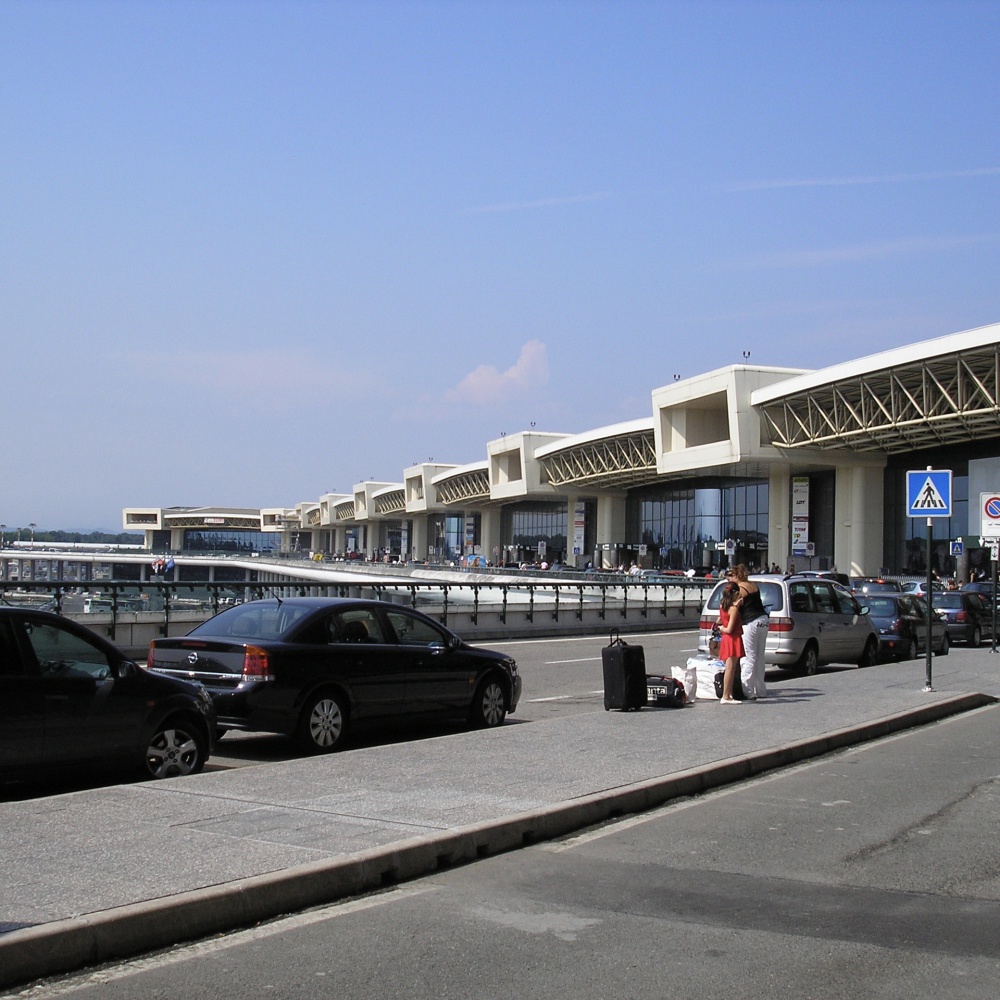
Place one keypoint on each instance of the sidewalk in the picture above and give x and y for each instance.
(113, 871)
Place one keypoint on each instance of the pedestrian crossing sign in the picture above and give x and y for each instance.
(928, 493)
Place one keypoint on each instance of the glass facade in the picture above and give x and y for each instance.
(681, 528)
(527, 525)
(228, 540)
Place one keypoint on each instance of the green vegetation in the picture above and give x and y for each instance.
(56, 537)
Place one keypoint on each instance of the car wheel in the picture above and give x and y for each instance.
(489, 706)
(977, 636)
(870, 655)
(176, 748)
(323, 723)
(945, 645)
(911, 650)
(809, 661)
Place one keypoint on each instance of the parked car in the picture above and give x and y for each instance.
(866, 585)
(812, 622)
(968, 615)
(901, 621)
(919, 587)
(72, 699)
(313, 667)
(828, 574)
(984, 587)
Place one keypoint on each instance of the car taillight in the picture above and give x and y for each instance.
(256, 664)
(960, 616)
(896, 626)
(780, 625)
(707, 624)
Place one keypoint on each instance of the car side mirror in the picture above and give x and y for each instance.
(125, 668)
(864, 611)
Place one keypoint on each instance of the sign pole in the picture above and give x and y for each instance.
(928, 686)
(993, 574)
(929, 494)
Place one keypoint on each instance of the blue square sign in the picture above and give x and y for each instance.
(928, 493)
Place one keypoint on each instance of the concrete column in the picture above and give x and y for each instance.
(489, 534)
(779, 515)
(610, 527)
(418, 537)
(860, 518)
(176, 539)
(339, 538)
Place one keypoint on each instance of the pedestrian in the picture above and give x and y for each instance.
(731, 644)
(755, 621)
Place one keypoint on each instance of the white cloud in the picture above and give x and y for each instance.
(487, 385)
(941, 175)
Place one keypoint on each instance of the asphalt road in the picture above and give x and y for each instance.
(562, 677)
(863, 874)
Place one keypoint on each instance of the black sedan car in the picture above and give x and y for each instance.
(72, 699)
(311, 667)
(901, 623)
(968, 615)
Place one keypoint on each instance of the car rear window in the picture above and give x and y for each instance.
(947, 600)
(267, 620)
(770, 594)
(879, 606)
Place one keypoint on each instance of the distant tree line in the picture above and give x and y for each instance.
(91, 537)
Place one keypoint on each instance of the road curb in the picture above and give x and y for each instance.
(64, 945)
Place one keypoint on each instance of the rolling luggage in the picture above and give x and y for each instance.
(737, 685)
(624, 675)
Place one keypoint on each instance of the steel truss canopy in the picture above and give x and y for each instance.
(390, 502)
(614, 457)
(938, 392)
(465, 486)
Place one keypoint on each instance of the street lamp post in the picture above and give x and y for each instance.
(31, 528)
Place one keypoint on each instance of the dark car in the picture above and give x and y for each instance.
(311, 667)
(901, 622)
(871, 585)
(968, 615)
(827, 574)
(72, 699)
(984, 587)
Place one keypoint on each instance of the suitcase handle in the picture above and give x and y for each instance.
(615, 639)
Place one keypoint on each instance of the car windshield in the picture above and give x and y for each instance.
(257, 620)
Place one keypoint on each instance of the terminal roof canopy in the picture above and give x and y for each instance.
(934, 393)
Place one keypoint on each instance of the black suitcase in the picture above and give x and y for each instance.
(737, 685)
(624, 675)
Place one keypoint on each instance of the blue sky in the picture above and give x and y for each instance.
(257, 252)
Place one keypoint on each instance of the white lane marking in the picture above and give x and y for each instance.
(584, 659)
(201, 949)
(591, 638)
(562, 697)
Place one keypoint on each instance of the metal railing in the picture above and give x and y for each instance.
(509, 602)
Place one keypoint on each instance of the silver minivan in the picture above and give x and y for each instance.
(812, 621)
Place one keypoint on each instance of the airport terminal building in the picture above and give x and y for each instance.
(742, 464)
